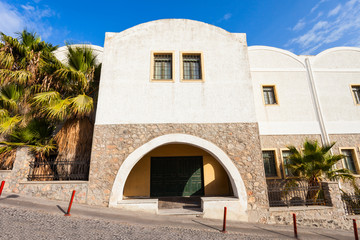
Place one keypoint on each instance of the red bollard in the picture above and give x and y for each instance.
(2, 186)
(295, 227)
(71, 201)
(355, 230)
(224, 222)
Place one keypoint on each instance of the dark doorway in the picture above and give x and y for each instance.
(176, 176)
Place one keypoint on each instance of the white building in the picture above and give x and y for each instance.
(188, 109)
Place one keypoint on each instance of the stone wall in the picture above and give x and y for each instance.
(240, 141)
(16, 182)
(315, 216)
(282, 141)
(347, 141)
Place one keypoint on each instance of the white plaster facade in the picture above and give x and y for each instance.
(313, 93)
(303, 109)
(224, 96)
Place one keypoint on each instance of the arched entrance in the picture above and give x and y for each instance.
(235, 180)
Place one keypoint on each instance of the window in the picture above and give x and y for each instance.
(269, 163)
(192, 66)
(349, 160)
(162, 68)
(269, 95)
(356, 92)
(285, 156)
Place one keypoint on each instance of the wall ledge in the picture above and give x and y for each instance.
(54, 182)
(299, 208)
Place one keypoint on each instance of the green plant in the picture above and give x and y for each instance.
(314, 163)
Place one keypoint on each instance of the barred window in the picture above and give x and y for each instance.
(356, 91)
(269, 95)
(286, 159)
(192, 67)
(349, 160)
(163, 66)
(269, 163)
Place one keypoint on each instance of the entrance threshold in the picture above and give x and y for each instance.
(211, 207)
(181, 211)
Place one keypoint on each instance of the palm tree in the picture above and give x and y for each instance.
(71, 103)
(20, 79)
(313, 164)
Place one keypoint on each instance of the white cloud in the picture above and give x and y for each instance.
(340, 24)
(31, 17)
(28, 7)
(299, 25)
(335, 11)
(317, 6)
(10, 19)
(227, 16)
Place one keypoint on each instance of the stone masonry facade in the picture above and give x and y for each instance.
(16, 182)
(351, 141)
(240, 141)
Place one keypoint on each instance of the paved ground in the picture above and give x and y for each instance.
(31, 218)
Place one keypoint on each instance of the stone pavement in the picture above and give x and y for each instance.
(179, 226)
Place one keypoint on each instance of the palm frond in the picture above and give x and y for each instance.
(20, 76)
(6, 60)
(46, 98)
(8, 124)
(81, 105)
(58, 110)
(72, 77)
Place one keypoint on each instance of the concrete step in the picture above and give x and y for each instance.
(180, 211)
(179, 202)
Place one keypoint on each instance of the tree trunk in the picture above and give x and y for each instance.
(74, 147)
(314, 192)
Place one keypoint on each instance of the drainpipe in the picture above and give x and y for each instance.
(324, 136)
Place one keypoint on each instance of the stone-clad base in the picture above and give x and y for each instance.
(351, 141)
(113, 143)
(16, 182)
(315, 216)
(282, 141)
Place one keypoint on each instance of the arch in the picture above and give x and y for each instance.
(277, 50)
(146, 25)
(336, 49)
(128, 164)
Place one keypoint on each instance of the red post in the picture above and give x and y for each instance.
(71, 201)
(355, 230)
(2, 186)
(224, 222)
(295, 227)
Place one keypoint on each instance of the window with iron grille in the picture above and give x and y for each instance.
(349, 159)
(269, 163)
(192, 67)
(269, 95)
(356, 91)
(163, 66)
(286, 159)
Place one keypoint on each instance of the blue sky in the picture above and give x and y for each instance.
(301, 26)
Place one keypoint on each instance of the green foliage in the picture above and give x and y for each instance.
(38, 92)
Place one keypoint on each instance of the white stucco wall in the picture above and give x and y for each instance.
(335, 70)
(295, 112)
(127, 95)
